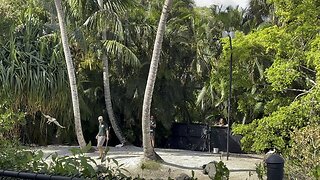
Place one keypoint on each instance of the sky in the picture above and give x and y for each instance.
(241, 3)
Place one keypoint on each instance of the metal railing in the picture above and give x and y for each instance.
(27, 175)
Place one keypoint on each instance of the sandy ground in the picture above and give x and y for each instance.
(241, 166)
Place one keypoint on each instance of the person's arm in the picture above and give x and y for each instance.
(97, 133)
(153, 124)
(107, 133)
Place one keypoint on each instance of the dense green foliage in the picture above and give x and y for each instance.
(292, 92)
(304, 155)
(222, 171)
(16, 158)
(291, 89)
(10, 123)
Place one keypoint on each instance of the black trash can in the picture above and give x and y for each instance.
(275, 164)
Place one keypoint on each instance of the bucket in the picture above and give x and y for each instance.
(215, 150)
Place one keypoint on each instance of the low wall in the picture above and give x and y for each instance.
(201, 137)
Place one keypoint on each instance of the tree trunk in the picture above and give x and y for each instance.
(148, 150)
(107, 96)
(106, 86)
(71, 74)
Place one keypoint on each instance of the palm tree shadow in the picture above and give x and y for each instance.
(182, 167)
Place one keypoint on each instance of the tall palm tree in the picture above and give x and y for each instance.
(106, 85)
(71, 74)
(105, 19)
(148, 150)
(259, 11)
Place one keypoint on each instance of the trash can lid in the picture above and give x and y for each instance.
(274, 159)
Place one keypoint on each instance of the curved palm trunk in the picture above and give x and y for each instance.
(148, 150)
(107, 96)
(71, 74)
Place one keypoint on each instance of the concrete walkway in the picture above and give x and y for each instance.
(241, 166)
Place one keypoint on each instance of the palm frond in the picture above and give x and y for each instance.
(103, 20)
(119, 50)
(201, 95)
(260, 68)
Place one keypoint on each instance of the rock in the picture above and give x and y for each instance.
(210, 169)
(119, 145)
(182, 176)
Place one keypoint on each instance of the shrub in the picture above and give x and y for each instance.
(222, 171)
(303, 158)
(13, 157)
(10, 123)
(274, 131)
(261, 170)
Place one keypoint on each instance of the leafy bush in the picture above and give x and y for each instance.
(274, 131)
(10, 122)
(77, 164)
(261, 170)
(303, 158)
(112, 169)
(13, 157)
(222, 171)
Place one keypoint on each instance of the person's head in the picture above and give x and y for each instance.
(100, 119)
(152, 118)
(222, 121)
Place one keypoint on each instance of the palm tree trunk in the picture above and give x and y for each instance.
(71, 74)
(107, 96)
(148, 150)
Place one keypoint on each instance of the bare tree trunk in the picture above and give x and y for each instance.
(71, 74)
(107, 96)
(148, 150)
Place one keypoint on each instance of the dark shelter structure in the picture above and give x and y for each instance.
(201, 137)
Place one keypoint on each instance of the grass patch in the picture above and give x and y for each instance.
(150, 165)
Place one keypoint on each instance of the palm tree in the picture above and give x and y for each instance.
(259, 12)
(71, 74)
(106, 85)
(105, 20)
(148, 150)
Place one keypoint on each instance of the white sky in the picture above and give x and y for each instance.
(241, 3)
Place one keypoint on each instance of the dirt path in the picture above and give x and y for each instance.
(176, 162)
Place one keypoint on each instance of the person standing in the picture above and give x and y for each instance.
(102, 136)
(153, 126)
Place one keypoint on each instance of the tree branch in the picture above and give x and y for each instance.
(304, 92)
(298, 90)
(311, 70)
